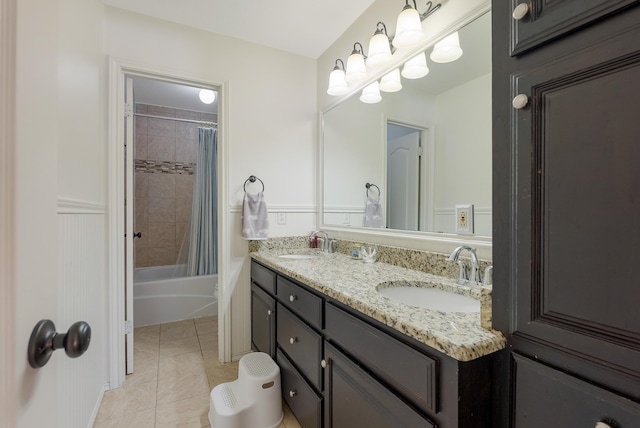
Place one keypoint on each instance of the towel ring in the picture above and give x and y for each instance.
(252, 178)
(369, 186)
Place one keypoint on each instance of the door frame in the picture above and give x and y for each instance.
(8, 391)
(118, 68)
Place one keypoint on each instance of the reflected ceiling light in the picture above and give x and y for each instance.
(416, 67)
(337, 82)
(356, 69)
(391, 82)
(409, 25)
(379, 47)
(371, 93)
(207, 96)
(447, 49)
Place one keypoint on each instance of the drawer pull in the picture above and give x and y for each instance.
(323, 364)
(293, 393)
(269, 312)
(520, 101)
(520, 11)
(293, 340)
(292, 298)
(602, 424)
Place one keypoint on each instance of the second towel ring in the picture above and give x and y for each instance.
(369, 186)
(252, 178)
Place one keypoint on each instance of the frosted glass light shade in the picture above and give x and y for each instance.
(356, 69)
(207, 96)
(416, 67)
(391, 82)
(371, 93)
(337, 83)
(379, 50)
(447, 49)
(408, 29)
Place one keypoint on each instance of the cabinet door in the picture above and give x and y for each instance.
(263, 321)
(543, 20)
(578, 205)
(355, 399)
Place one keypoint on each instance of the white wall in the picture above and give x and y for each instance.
(271, 120)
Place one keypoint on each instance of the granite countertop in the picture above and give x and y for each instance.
(352, 282)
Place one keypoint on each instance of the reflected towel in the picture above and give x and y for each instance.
(373, 213)
(255, 222)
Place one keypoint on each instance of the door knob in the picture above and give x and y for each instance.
(137, 235)
(44, 340)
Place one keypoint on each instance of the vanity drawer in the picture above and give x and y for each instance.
(304, 303)
(407, 370)
(264, 277)
(301, 344)
(305, 404)
(548, 397)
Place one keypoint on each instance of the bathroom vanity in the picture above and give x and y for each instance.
(351, 357)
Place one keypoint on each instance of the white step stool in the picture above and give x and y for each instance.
(253, 400)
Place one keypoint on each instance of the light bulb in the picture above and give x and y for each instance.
(379, 50)
(391, 82)
(371, 93)
(207, 96)
(356, 69)
(337, 83)
(416, 67)
(408, 29)
(447, 49)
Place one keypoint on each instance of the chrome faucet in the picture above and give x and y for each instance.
(323, 240)
(463, 276)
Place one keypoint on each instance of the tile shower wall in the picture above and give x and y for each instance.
(165, 156)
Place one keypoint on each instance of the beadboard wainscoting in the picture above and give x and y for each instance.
(82, 297)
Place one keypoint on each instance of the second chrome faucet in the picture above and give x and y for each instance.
(471, 275)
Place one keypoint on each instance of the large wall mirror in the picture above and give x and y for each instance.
(426, 148)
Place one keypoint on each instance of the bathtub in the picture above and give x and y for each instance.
(160, 298)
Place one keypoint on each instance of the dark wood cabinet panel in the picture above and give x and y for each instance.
(304, 303)
(263, 321)
(355, 399)
(301, 398)
(546, 20)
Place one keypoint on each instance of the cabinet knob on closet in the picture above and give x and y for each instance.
(269, 312)
(293, 340)
(520, 11)
(292, 298)
(293, 393)
(520, 101)
(323, 364)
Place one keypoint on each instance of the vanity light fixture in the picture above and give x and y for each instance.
(371, 93)
(356, 69)
(379, 47)
(207, 96)
(416, 67)
(391, 81)
(337, 82)
(447, 49)
(409, 25)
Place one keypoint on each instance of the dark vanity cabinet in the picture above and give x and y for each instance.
(566, 183)
(263, 310)
(342, 369)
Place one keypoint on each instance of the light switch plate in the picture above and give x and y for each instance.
(464, 219)
(282, 218)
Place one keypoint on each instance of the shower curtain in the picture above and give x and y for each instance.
(203, 249)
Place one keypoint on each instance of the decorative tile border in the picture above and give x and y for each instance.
(164, 167)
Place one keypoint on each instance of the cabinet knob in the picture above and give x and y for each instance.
(269, 312)
(520, 101)
(602, 424)
(520, 11)
(292, 298)
(293, 393)
(293, 340)
(323, 363)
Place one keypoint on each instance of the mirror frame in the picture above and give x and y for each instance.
(429, 241)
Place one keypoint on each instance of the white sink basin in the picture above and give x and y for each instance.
(297, 256)
(429, 298)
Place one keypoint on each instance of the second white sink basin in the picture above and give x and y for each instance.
(429, 298)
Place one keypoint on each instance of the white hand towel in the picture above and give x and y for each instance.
(255, 222)
(373, 213)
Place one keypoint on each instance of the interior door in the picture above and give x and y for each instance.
(128, 206)
(403, 166)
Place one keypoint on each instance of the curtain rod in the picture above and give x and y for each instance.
(202, 122)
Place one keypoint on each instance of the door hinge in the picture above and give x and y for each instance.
(128, 327)
(420, 151)
(128, 110)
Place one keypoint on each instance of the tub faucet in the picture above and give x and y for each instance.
(323, 240)
(463, 275)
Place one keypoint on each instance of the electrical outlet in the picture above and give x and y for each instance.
(282, 218)
(464, 219)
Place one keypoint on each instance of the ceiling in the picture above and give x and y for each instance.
(301, 27)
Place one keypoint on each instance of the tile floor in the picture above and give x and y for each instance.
(176, 366)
